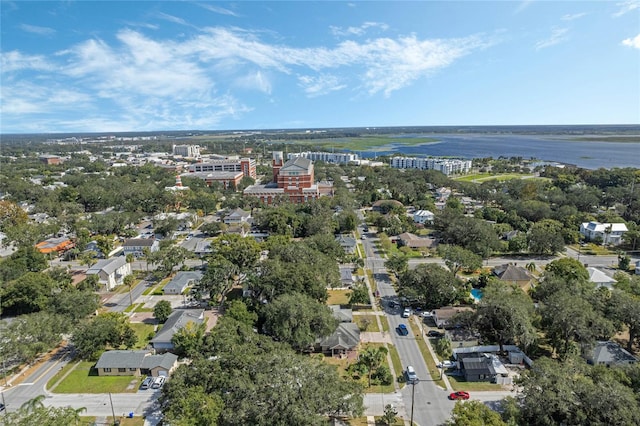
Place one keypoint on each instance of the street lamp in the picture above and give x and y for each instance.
(414, 382)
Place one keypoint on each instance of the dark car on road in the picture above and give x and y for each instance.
(402, 330)
(459, 395)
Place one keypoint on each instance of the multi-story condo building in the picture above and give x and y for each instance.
(327, 157)
(444, 165)
(191, 151)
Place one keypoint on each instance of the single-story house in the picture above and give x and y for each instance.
(600, 279)
(342, 341)
(136, 246)
(423, 216)
(111, 272)
(176, 321)
(347, 243)
(609, 354)
(443, 193)
(608, 233)
(341, 314)
(413, 241)
(346, 276)
(55, 245)
(237, 217)
(181, 281)
(513, 274)
(481, 367)
(135, 363)
(443, 315)
(203, 248)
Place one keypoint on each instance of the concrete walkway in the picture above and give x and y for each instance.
(416, 320)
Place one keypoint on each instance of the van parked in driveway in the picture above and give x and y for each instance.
(158, 382)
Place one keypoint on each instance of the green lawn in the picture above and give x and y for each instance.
(431, 363)
(373, 324)
(142, 333)
(84, 379)
(338, 297)
(365, 143)
(385, 323)
(395, 360)
(458, 384)
(343, 364)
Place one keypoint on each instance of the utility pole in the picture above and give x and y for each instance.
(112, 410)
(413, 395)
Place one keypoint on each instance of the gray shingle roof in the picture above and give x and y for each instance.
(121, 359)
(138, 242)
(346, 336)
(611, 353)
(302, 162)
(178, 319)
(182, 279)
(166, 361)
(109, 266)
(512, 273)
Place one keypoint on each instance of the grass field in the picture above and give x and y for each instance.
(367, 143)
(434, 372)
(142, 333)
(458, 383)
(395, 360)
(343, 365)
(373, 324)
(84, 379)
(385, 323)
(338, 297)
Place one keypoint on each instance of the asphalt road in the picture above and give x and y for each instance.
(430, 403)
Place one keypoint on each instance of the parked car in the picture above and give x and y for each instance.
(406, 313)
(158, 382)
(402, 330)
(2, 407)
(446, 364)
(435, 333)
(411, 374)
(146, 383)
(459, 395)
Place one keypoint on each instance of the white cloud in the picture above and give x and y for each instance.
(16, 61)
(174, 19)
(558, 35)
(632, 42)
(149, 83)
(626, 7)
(216, 9)
(572, 17)
(255, 81)
(357, 31)
(320, 85)
(33, 29)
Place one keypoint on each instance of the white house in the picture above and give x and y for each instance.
(111, 272)
(423, 216)
(181, 281)
(600, 278)
(237, 217)
(136, 246)
(609, 233)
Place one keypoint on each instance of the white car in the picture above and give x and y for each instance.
(406, 313)
(446, 364)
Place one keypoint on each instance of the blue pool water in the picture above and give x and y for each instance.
(476, 294)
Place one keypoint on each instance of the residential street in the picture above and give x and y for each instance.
(432, 407)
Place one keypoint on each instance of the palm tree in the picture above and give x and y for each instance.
(33, 404)
(372, 359)
(531, 266)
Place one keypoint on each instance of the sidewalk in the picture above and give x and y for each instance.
(416, 319)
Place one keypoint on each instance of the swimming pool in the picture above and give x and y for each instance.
(476, 293)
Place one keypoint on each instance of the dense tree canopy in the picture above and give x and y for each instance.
(258, 382)
(430, 285)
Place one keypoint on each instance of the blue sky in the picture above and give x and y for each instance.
(82, 66)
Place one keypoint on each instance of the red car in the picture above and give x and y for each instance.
(459, 395)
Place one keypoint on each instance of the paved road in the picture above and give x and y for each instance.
(431, 406)
(33, 385)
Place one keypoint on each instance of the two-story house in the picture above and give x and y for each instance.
(111, 272)
(607, 233)
(136, 246)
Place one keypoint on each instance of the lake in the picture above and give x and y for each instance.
(585, 154)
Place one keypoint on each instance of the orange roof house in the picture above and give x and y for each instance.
(58, 245)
